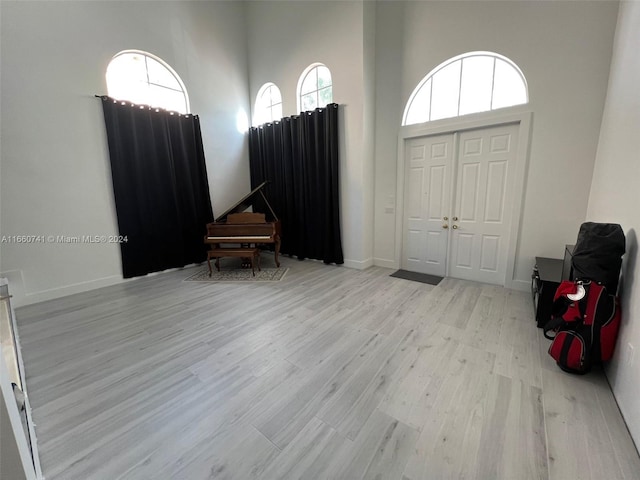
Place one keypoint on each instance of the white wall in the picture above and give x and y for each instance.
(564, 50)
(286, 37)
(389, 104)
(368, 128)
(55, 174)
(615, 198)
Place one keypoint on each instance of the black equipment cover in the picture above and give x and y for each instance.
(598, 254)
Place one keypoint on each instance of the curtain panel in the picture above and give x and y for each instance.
(298, 156)
(160, 186)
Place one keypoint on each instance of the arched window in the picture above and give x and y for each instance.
(143, 78)
(268, 104)
(469, 83)
(315, 88)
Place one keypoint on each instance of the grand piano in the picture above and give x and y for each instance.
(238, 226)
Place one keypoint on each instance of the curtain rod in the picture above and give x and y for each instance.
(142, 106)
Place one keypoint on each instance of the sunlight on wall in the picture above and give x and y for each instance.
(242, 121)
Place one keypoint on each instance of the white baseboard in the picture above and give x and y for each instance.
(521, 285)
(384, 262)
(358, 264)
(21, 298)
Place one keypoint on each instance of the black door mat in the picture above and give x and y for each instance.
(417, 277)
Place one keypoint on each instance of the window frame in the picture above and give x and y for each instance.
(174, 74)
(428, 79)
(301, 81)
(258, 105)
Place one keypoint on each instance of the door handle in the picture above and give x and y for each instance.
(445, 226)
(455, 219)
(445, 218)
(455, 227)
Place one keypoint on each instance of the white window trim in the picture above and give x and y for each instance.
(451, 60)
(164, 64)
(303, 76)
(257, 102)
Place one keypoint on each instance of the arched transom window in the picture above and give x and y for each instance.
(268, 104)
(469, 83)
(315, 88)
(145, 79)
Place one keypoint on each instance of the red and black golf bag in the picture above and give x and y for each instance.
(586, 312)
(584, 330)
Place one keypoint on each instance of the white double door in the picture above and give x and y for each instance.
(458, 203)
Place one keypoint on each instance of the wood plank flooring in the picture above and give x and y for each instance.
(331, 373)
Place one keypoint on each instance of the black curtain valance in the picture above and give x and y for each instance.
(299, 156)
(160, 186)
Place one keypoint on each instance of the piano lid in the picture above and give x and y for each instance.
(246, 202)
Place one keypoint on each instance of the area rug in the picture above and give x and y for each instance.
(417, 277)
(239, 275)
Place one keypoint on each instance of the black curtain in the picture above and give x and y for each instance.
(160, 186)
(298, 156)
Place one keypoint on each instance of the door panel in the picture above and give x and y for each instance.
(414, 197)
(414, 246)
(489, 253)
(437, 193)
(428, 167)
(464, 251)
(468, 185)
(482, 203)
(496, 187)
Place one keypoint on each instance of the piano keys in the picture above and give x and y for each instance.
(239, 227)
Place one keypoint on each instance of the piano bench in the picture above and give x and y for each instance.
(218, 253)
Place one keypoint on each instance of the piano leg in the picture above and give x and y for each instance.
(277, 249)
(210, 254)
(247, 262)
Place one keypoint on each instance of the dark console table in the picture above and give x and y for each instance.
(546, 277)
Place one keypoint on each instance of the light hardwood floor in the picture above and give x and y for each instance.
(331, 373)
